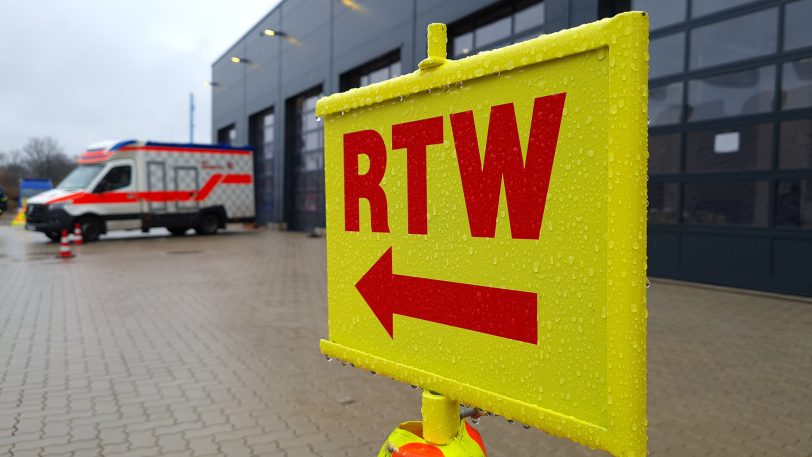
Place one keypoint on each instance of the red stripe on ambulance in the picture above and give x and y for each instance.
(84, 198)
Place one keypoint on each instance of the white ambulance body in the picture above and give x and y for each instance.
(138, 185)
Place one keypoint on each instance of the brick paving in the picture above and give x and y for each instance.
(205, 346)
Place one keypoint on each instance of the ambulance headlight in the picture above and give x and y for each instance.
(58, 205)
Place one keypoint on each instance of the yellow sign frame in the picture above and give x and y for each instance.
(623, 40)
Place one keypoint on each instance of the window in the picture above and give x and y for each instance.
(494, 27)
(663, 153)
(795, 144)
(227, 135)
(797, 20)
(793, 203)
(796, 84)
(737, 149)
(705, 7)
(665, 104)
(732, 94)
(463, 44)
(742, 37)
(304, 164)
(491, 33)
(663, 202)
(267, 136)
(667, 55)
(117, 178)
(726, 203)
(606, 8)
(261, 137)
(528, 18)
(375, 71)
(311, 154)
(80, 177)
(661, 12)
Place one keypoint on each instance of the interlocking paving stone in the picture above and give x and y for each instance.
(128, 351)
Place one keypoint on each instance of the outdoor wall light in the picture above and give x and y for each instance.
(278, 33)
(271, 32)
(236, 59)
(353, 5)
(211, 83)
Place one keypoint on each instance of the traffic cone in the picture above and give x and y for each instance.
(77, 234)
(407, 441)
(19, 219)
(64, 246)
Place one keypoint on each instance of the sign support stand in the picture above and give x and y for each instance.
(441, 418)
(442, 433)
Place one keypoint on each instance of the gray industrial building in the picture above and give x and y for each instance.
(730, 186)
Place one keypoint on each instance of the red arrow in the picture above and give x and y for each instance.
(500, 312)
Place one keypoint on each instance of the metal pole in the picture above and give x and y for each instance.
(441, 418)
(191, 117)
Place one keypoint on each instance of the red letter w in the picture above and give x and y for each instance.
(526, 182)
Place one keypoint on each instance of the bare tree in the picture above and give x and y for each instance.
(43, 157)
(11, 170)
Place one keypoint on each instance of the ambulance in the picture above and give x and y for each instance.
(140, 185)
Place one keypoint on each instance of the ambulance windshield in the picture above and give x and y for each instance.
(80, 177)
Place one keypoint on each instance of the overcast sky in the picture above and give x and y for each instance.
(89, 70)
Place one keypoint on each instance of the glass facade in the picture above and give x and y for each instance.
(376, 70)
(662, 13)
(305, 186)
(730, 109)
(509, 22)
(227, 135)
(261, 137)
(665, 104)
(797, 20)
(732, 94)
(795, 144)
(796, 83)
(738, 38)
(667, 55)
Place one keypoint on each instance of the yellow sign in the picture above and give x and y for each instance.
(486, 230)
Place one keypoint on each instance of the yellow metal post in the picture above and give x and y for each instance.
(437, 40)
(441, 418)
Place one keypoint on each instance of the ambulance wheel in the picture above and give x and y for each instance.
(178, 231)
(53, 236)
(91, 227)
(209, 223)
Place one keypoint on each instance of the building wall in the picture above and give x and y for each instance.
(716, 217)
(730, 142)
(331, 39)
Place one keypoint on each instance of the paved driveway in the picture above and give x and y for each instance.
(209, 346)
